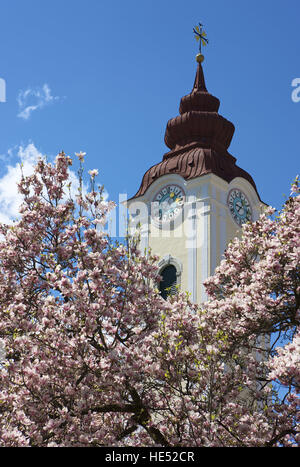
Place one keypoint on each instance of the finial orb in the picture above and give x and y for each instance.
(199, 58)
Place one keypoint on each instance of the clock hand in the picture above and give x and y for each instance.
(238, 207)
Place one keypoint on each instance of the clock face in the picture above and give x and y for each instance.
(167, 203)
(239, 206)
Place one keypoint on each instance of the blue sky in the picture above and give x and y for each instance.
(105, 77)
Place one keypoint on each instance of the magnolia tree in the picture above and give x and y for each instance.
(255, 303)
(93, 356)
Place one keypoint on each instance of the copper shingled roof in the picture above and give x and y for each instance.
(198, 139)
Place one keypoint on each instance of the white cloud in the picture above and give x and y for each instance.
(34, 98)
(10, 198)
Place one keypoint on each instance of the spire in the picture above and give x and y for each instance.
(199, 99)
(199, 84)
(199, 120)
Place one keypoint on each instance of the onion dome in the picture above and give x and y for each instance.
(198, 139)
(199, 120)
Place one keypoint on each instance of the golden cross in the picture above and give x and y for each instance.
(200, 35)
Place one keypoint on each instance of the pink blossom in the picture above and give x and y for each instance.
(95, 357)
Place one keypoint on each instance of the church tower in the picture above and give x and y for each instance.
(195, 200)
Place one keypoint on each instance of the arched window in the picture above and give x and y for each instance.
(167, 285)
